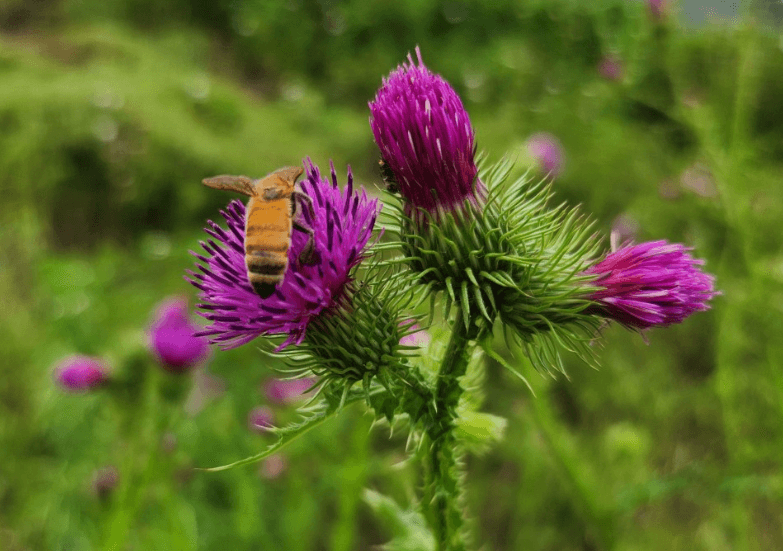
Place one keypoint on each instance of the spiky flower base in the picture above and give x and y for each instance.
(359, 341)
(511, 259)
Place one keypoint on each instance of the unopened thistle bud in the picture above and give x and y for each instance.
(653, 284)
(426, 139)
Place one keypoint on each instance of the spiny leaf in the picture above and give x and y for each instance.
(288, 434)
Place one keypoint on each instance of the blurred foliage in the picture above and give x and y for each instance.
(111, 112)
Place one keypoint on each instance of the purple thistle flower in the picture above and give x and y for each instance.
(173, 337)
(657, 8)
(283, 391)
(425, 138)
(80, 373)
(546, 150)
(653, 284)
(343, 224)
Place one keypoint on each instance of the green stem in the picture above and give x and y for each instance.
(444, 491)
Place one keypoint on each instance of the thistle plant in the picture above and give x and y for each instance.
(486, 251)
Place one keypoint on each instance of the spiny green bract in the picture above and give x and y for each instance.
(513, 259)
(360, 340)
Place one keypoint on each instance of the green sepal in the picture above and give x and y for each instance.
(512, 258)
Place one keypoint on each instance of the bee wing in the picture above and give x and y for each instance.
(289, 174)
(240, 184)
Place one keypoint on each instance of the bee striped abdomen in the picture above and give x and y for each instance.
(267, 238)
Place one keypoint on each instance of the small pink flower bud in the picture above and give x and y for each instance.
(173, 340)
(80, 373)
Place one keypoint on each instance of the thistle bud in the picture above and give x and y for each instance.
(653, 284)
(173, 337)
(426, 139)
(80, 373)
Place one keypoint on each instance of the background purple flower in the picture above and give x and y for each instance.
(260, 419)
(343, 224)
(104, 481)
(546, 150)
(657, 8)
(420, 337)
(425, 137)
(173, 337)
(80, 373)
(611, 68)
(652, 284)
(281, 391)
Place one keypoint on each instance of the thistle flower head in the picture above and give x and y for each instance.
(173, 337)
(425, 138)
(342, 225)
(80, 373)
(653, 284)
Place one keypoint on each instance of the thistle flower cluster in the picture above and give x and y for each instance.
(488, 243)
(480, 239)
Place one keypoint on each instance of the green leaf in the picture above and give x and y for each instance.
(408, 527)
(479, 428)
(286, 435)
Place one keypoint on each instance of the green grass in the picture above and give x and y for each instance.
(105, 132)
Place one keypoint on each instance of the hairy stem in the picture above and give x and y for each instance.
(444, 492)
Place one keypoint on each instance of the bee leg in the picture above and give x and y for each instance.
(301, 197)
(308, 255)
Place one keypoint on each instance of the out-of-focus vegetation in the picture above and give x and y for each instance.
(111, 112)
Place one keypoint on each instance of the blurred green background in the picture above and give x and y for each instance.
(112, 111)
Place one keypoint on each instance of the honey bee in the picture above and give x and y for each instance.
(273, 211)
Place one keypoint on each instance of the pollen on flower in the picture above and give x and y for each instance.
(425, 138)
(653, 284)
(342, 225)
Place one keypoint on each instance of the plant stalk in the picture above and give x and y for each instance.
(443, 470)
